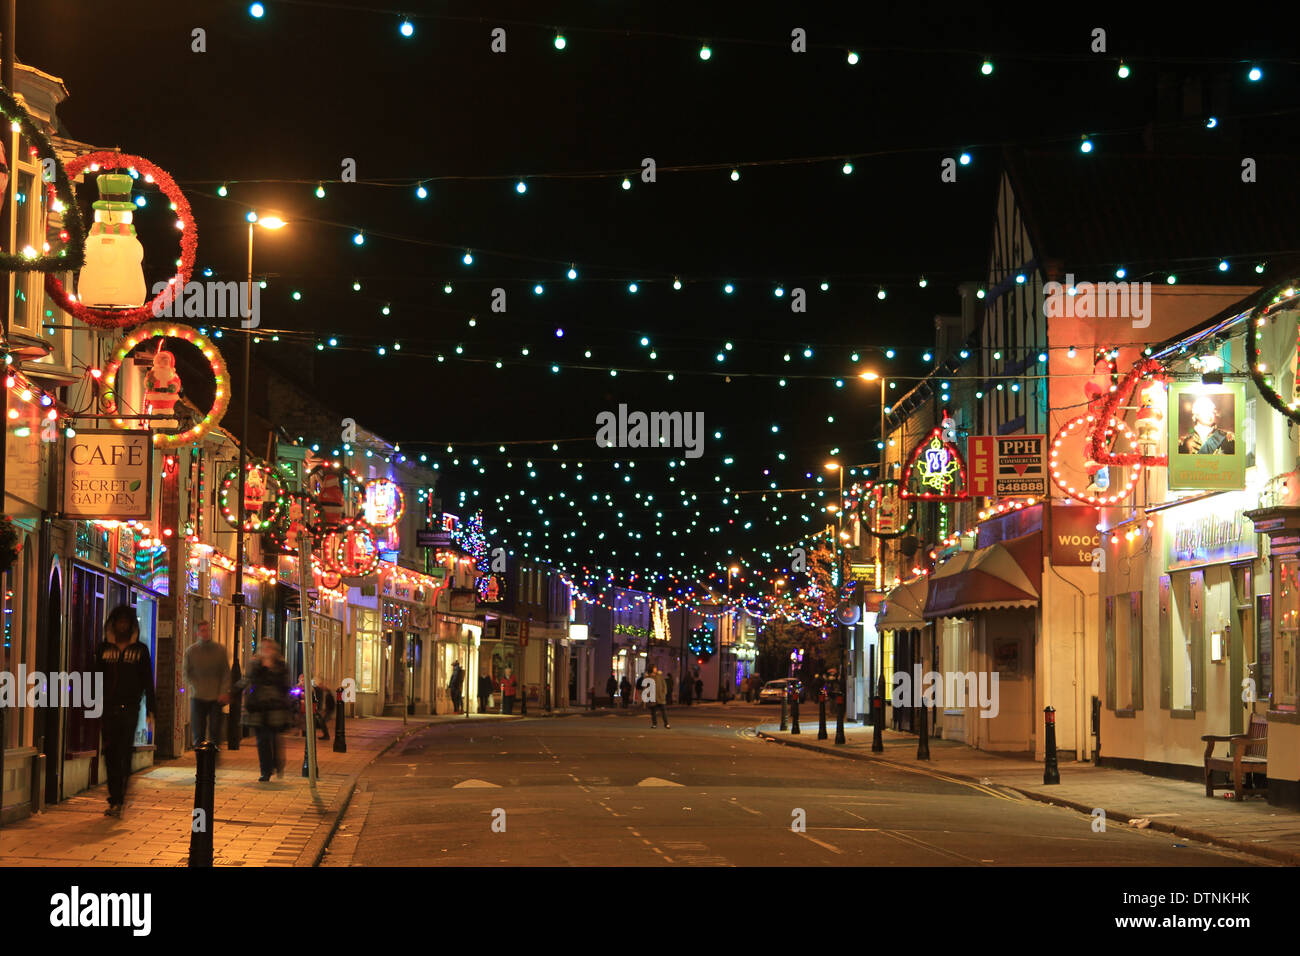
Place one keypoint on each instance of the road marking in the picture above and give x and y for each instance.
(464, 784)
(917, 842)
(658, 782)
(824, 846)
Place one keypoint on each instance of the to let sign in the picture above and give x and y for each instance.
(107, 475)
(1011, 466)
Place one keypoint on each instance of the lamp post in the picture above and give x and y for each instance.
(839, 564)
(878, 719)
(237, 595)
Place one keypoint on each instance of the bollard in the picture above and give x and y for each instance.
(794, 714)
(923, 734)
(878, 717)
(205, 793)
(839, 713)
(785, 710)
(592, 697)
(340, 735)
(523, 701)
(1051, 773)
(821, 716)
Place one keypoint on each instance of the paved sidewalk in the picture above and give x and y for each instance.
(279, 823)
(1177, 807)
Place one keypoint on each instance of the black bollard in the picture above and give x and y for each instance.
(205, 795)
(523, 701)
(878, 717)
(785, 710)
(923, 735)
(821, 718)
(794, 714)
(234, 729)
(340, 734)
(592, 698)
(1051, 773)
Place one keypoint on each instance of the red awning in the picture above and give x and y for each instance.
(1004, 575)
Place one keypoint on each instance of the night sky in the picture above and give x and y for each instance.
(289, 96)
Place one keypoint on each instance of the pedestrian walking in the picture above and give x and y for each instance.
(455, 684)
(744, 689)
(686, 691)
(668, 683)
(611, 688)
(207, 672)
(722, 693)
(484, 692)
(123, 665)
(625, 690)
(268, 708)
(699, 689)
(655, 693)
(509, 688)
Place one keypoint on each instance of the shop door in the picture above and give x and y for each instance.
(1009, 639)
(1241, 636)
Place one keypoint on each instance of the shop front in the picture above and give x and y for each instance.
(900, 626)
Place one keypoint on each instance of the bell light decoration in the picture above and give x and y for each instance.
(113, 276)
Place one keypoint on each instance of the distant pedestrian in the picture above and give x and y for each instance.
(722, 693)
(655, 693)
(699, 689)
(455, 684)
(625, 691)
(484, 692)
(686, 691)
(269, 708)
(611, 688)
(509, 688)
(668, 683)
(207, 672)
(123, 664)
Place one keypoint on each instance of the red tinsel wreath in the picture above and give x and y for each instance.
(1147, 368)
(119, 318)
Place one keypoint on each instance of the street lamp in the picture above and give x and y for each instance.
(273, 223)
(839, 563)
(870, 376)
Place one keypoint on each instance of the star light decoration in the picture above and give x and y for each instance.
(936, 471)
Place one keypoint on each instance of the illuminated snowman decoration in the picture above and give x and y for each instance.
(113, 276)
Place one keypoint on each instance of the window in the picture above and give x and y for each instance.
(366, 624)
(1123, 623)
(1286, 626)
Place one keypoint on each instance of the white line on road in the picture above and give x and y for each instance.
(824, 846)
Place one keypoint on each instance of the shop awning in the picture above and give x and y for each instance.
(1000, 576)
(903, 607)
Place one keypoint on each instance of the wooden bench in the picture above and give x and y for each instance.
(1247, 753)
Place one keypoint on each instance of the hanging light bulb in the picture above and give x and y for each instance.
(986, 67)
(1123, 70)
(320, 191)
(421, 192)
(705, 53)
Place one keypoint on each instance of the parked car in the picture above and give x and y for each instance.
(774, 690)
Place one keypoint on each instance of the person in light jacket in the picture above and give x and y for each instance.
(207, 672)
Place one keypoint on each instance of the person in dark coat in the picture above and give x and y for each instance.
(611, 688)
(124, 666)
(454, 685)
(668, 685)
(269, 708)
(686, 691)
(625, 690)
(699, 689)
(485, 686)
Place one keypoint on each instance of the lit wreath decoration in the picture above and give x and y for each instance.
(323, 523)
(73, 254)
(221, 397)
(334, 549)
(1053, 463)
(369, 510)
(876, 490)
(253, 521)
(1147, 368)
(278, 529)
(121, 318)
(1266, 301)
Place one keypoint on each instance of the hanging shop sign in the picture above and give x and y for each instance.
(463, 601)
(108, 476)
(1207, 450)
(865, 574)
(936, 471)
(1075, 537)
(1012, 466)
(1211, 531)
(163, 385)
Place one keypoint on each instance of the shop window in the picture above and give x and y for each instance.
(1184, 642)
(1286, 627)
(11, 656)
(368, 643)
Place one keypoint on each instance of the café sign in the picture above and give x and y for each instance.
(107, 476)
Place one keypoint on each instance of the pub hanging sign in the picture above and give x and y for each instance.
(108, 476)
